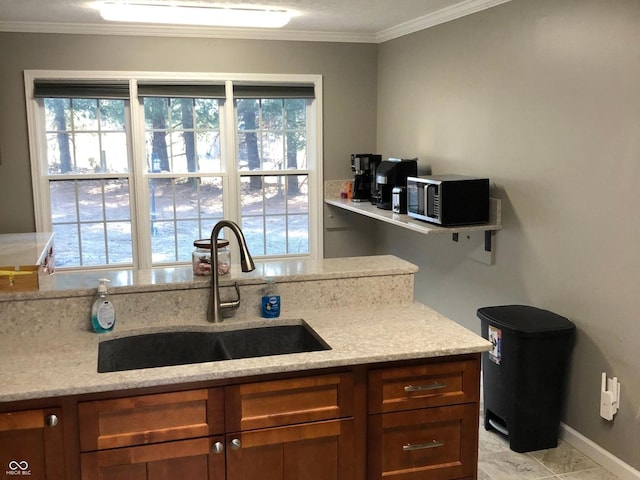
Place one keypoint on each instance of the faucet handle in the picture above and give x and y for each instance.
(232, 303)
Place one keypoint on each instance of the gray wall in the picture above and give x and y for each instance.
(349, 79)
(543, 97)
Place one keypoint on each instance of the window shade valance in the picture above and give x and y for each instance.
(180, 90)
(274, 91)
(80, 89)
(120, 90)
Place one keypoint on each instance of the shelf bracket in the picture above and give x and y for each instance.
(487, 240)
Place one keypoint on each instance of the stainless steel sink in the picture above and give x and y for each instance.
(183, 348)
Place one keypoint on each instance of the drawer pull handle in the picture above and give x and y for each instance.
(422, 446)
(422, 388)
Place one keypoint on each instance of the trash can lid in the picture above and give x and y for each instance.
(526, 319)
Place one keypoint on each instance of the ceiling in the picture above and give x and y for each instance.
(369, 21)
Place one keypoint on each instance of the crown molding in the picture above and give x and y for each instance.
(185, 31)
(466, 7)
(462, 9)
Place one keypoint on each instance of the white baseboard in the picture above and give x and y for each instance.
(598, 454)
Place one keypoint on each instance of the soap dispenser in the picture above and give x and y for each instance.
(270, 305)
(103, 313)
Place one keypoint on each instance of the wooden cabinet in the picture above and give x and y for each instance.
(434, 443)
(32, 444)
(286, 402)
(413, 420)
(145, 419)
(310, 451)
(281, 429)
(423, 421)
(161, 436)
(291, 429)
(189, 459)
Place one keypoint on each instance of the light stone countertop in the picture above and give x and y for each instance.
(23, 249)
(49, 367)
(47, 350)
(73, 284)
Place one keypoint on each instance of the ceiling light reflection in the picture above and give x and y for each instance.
(191, 15)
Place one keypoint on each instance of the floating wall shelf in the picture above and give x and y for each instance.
(405, 221)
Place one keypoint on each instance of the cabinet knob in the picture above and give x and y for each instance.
(218, 447)
(51, 420)
(236, 444)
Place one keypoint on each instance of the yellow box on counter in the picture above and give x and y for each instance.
(23, 280)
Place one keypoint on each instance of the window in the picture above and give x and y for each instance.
(130, 173)
(88, 167)
(272, 161)
(183, 165)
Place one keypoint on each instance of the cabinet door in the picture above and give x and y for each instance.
(313, 451)
(186, 459)
(435, 443)
(31, 444)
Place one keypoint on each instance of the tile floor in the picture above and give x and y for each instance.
(497, 462)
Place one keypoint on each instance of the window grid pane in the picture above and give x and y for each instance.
(76, 140)
(92, 222)
(271, 134)
(182, 210)
(182, 135)
(275, 214)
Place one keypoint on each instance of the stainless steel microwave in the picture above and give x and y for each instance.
(448, 200)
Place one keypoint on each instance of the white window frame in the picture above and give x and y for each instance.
(140, 190)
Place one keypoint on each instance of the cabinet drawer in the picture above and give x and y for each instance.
(426, 385)
(435, 443)
(150, 419)
(285, 402)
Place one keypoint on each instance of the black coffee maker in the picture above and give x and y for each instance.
(392, 173)
(364, 167)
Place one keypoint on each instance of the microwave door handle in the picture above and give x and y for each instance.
(428, 200)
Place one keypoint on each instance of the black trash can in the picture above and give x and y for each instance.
(524, 375)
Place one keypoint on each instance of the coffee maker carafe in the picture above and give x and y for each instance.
(392, 173)
(364, 167)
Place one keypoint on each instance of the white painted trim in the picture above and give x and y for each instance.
(231, 175)
(465, 7)
(462, 9)
(139, 189)
(36, 137)
(598, 454)
(316, 197)
(186, 31)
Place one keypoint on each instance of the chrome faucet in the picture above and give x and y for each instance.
(216, 306)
